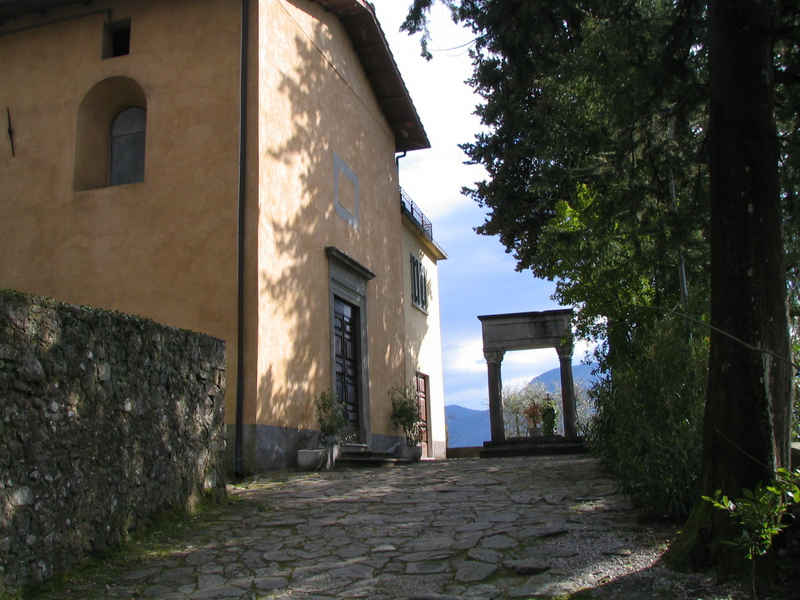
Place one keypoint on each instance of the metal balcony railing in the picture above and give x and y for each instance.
(413, 211)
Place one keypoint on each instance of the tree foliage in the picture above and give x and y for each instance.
(596, 145)
(649, 422)
(760, 516)
(596, 116)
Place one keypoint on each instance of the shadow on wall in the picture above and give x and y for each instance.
(299, 219)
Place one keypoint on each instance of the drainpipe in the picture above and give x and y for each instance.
(240, 234)
(397, 166)
(400, 191)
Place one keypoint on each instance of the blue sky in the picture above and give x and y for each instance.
(478, 278)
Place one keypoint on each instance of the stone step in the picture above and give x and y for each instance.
(369, 458)
(539, 440)
(532, 448)
(353, 448)
(361, 455)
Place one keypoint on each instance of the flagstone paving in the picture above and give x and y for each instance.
(468, 528)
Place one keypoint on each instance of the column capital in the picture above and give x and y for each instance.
(564, 349)
(494, 357)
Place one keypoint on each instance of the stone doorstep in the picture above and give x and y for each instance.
(532, 448)
(370, 461)
(361, 456)
(352, 448)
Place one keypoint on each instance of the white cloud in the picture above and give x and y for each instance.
(475, 397)
(465, 356)
(582, 348)
(483, 256)
(534, 360)
(436, 185)
(445, 105)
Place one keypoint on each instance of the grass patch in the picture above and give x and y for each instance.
(159, 537)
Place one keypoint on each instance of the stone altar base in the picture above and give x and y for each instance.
(533, 446)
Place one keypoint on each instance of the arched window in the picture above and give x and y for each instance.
(110, 134)
(127, 146)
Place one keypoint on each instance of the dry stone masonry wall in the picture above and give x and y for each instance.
(105, 419)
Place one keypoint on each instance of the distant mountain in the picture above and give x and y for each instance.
(581, 374)
(468, 427)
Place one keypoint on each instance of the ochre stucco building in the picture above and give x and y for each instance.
(228, 167)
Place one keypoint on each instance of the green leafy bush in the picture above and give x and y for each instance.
(649, 420)
(796, 411)
(759, 514)
(549, 417)
(796, 379)
(405, 412)
(331, 416)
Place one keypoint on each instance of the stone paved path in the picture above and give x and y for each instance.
(467, 528)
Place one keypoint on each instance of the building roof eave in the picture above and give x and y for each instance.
(370, 43)
(10, 9)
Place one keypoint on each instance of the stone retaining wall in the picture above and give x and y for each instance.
(105, 419)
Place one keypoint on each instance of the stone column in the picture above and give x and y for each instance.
(493, 362)
(567, 389)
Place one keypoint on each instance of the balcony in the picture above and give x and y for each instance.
(413, 212)
(420, 221)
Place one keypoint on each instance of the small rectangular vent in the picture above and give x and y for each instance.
(117, 38)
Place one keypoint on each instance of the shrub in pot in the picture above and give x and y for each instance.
(405, 414)
(332, 421)
(549, 417)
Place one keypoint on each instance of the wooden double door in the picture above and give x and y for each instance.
(422, 384)
(347, 361)
(347, 365)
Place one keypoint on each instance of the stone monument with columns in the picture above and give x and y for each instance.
(525, 331)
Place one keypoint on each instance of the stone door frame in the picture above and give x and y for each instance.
(348, 281)
(527, 331)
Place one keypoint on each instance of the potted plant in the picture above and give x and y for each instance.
(549, 417)
(405, 416)
(332, 421)
(533, 414)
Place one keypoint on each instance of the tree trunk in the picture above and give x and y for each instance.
(746, 427)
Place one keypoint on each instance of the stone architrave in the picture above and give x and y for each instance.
(493, 363)
(525, 331)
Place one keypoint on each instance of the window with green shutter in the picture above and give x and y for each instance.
(419, 284)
